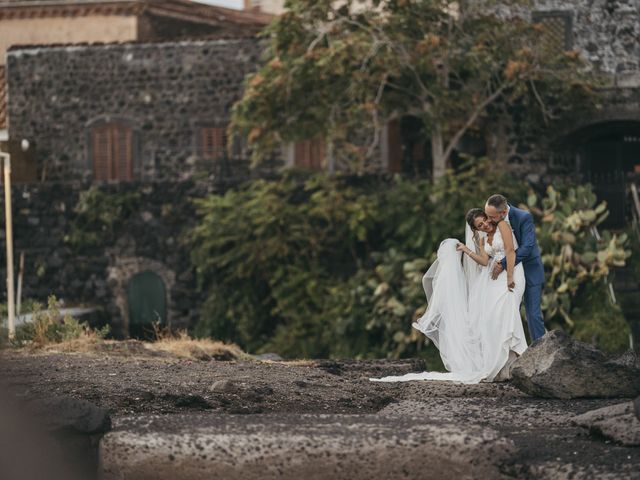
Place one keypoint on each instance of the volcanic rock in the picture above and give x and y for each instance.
(556, 366)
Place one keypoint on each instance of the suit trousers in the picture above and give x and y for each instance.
(532, 301)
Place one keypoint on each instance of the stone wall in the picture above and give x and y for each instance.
(605, 32)
(145, 239)
(164, 91)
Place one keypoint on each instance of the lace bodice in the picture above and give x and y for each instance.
(496, 250)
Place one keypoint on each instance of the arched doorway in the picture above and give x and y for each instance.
(608, 156)
(147, 301)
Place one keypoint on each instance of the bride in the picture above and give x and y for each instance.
(473, 319)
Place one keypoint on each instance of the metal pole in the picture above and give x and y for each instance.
(20, 278)
(9, 240)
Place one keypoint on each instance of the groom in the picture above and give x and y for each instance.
(527, 252)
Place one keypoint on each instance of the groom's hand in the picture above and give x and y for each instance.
(497, 270)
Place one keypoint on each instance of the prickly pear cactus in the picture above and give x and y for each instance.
(573, 252)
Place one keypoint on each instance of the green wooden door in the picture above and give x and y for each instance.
(146, 295)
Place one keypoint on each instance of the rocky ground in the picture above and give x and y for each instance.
(332, 405)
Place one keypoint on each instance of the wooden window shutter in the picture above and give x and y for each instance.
(310, 153)
(112, 152)
(213, 142)
(101, 153)
(123, 153)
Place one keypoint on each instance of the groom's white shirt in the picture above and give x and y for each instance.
(506, 217)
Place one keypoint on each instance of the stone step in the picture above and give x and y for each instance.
(306, 447)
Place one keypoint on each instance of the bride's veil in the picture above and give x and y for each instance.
(446, 321)
(471, 268)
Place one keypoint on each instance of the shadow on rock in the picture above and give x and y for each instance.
(56, 439)
(556, 366)
(618, 423)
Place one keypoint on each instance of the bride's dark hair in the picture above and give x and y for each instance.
(472, 215)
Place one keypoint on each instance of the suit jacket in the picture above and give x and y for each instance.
(528, 251)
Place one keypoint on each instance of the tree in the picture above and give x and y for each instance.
(342, 71)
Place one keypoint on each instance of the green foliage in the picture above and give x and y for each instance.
(573, 255)
(598, 321)
(98, 215)
(28, 305)
(331, 267)
(341, 71)
(49, 326)
(268, 251)
(328, 266)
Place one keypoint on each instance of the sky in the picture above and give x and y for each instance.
(223, 3)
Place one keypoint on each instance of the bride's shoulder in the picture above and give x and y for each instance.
(504, 226)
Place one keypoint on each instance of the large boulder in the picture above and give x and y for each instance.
(77, 426)
(616, 422)
(556, 366)
(68, 415)
(27, 452)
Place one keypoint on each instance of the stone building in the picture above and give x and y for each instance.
(603, 148)
(131, 118)
(130, 111)
(133, 97)
(34, 22)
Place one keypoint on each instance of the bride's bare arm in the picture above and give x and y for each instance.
(481, 258)
(509, 250)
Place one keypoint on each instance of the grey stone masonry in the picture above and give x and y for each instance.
(166, 92)
(148, 236)
(604, 32)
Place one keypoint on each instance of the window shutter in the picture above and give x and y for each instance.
(213, 142)
(310, 153)
(112, 152)
(101, 153)
(301, 158)
(122, 157)
(318, 151)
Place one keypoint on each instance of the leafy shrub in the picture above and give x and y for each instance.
(577, 262)
(98, 215)
(331, 267)
(319, 266)
(49, 326)
(598, 321)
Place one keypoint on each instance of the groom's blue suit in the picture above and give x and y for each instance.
(528, 253)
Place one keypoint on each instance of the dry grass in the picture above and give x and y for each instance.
(180, 345)
(303, 362)
(183, 346)
(49, 332)
(88, 342)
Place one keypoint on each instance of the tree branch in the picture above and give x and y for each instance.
(545, 112)
(472, 119)
(376, 120)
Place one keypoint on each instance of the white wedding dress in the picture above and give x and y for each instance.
(473, 320)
